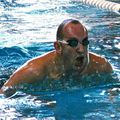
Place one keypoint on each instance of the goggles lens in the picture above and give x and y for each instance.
(74, 42)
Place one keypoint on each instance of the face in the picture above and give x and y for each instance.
(75, 46)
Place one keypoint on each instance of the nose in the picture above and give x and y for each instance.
(80, 48)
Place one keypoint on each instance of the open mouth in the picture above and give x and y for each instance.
(79, 60)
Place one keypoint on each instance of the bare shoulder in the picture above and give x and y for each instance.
(99, 63)
(42, 58)
(37, 65)
(40, 62)
(97, 58)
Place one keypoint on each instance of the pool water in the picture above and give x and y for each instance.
(28, 29)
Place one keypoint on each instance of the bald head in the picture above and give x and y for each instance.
(67, 27)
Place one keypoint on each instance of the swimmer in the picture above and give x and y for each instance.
(71, 55)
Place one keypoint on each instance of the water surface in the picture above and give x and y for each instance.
(28, 29)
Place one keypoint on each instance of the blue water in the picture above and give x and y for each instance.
(28, 29)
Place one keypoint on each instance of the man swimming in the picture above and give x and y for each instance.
(70, 55)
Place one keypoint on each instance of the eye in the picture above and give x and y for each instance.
(85, 42)
(73, 42)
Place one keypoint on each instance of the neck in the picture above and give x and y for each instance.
(62, 61)
(59, 63)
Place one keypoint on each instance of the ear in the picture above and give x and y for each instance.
(58, 46)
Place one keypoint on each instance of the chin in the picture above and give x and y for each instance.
(80, 69)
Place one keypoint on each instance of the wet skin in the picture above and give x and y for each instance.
(58, 63)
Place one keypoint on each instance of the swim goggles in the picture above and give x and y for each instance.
(73, 42)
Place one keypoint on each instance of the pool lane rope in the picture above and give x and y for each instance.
(111, 6)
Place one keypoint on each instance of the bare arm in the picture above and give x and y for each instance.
(28, 73)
